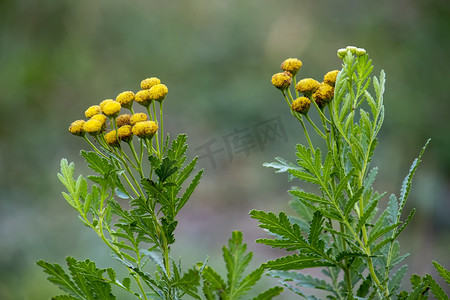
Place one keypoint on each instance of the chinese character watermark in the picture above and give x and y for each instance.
(243, 141)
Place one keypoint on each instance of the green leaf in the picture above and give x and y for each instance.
(97, 163)
(352, 201)
(189, 190)
(236, 260)
(303, 280)
(269, 294)
(213, 279)
(396, 279)
(309, 197)
(315, 229)
(60, 279)
(367, 213)
(435, 288)
(166, 169)
(443, 272)
(296, 262)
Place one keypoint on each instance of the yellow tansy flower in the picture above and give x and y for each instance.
(323, 94)
(93, 126)
(330, 77)
(291, 65)
(92, 111)
(123, 119)
(102, 118)
(307, 86)
(125, 99)
(145, 129)
(77, 127)
(138, 117)
(111, 109)
(149, 82)
(301, 105)
(282, 80)
(104, 102)
(143, 98)
(158, 92)
(111, 138)
(125, 133)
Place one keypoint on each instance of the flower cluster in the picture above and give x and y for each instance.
(109, 126)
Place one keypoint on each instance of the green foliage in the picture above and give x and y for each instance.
(340, 226)
(237, 286)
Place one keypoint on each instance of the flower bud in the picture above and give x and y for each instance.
(352, 49)
(360, 51)
(125, 99)
(77, 127)
(291, 65)
(149, 82)
(341, 53)
(145, 129)
(92, 111)
(307, 86)
(301, 105)
(330, 77)
(282, 80)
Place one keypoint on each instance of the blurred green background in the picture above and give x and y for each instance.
(217, 57)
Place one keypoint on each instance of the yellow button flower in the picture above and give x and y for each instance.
(125, 99)
(138, 117)
(111, 109)
(330, 77)
(145, 129)
(111, 138)
(307, 86)
(93, 126)
(102, 118)
(143, 98)
(158, 92)
(104, 102)
(149, 82)
(323, 94)
(125, 133)
(123, 119)
(282, 80)
(92, 111)
(77, 127)
(301, 105)
(291, 65)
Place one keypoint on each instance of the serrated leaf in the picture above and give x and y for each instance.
(309, 196)
(236, 259)
(443, 272)
(315, 229)
(214, 279)
(269, 294)
(166, 169)
(396, 279)
(303, 280)
(367, 213)
(189, 190)
(435, 288)
(246, 283)
(374, 235)
(156, 258)
(296, 262)
(352, 201)
(59, 277)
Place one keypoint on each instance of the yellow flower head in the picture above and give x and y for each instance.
(145, 129)
(100, 117)
(93, 126)
(138, 117)
(125, 99)
(143, 98)
(92, 111)
(158, 92)
(301, 105)
(330, 77)
(323, 95)
(149, 82)
(104, 102)
(125, 133)
(77, 127)
(307, 86)
(123, 119)
(111, 109)
(282, 80)
(111, 139)
(291, 65)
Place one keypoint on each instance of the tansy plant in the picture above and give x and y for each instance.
(341, 226)
(140, 185)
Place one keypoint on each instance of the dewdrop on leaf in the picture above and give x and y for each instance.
(291, 65)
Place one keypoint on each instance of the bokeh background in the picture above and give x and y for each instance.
(217, 57)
